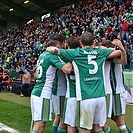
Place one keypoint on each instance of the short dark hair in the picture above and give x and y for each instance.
(54, 42)
(87, 38)
(107, 43)
(73, 42)
(57, 39)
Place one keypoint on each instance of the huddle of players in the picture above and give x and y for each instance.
(88, 88)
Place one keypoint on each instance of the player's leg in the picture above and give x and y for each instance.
(62, 127)
(69, 114)
(41, 113)
(55, 124)
(55, 102)
(83, 123)
(39, 127)
(58, 104)
(99, 115)
(83, 130)
(119, 109)
(85, 115)
(71, 129)
(106, 128)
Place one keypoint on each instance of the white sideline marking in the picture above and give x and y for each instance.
(10, 130)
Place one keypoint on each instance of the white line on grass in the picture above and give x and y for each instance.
(6, 128)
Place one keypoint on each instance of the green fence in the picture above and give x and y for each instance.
(16, 75)
(128, 78)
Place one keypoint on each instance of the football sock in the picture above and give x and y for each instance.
(123, 131)
(129, 130)
(61, 130)
(33, 131)
(54, 128)
(108, 130)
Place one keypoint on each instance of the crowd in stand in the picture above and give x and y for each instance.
(105, 19)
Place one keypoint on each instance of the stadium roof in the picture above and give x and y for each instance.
(19, 11)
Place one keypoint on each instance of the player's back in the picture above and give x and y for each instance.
(45, 73)
(88, 66)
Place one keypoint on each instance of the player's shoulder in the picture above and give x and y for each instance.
(46, 54)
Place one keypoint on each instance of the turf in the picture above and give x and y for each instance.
(3, 131)
(15, 112)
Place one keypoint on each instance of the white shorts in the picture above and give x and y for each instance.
(109, 105)
(119, 103)
(58, 104)
(91, 111)
(41, 109)
(70, 111)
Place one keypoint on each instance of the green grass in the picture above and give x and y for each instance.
(15, 115)
(15, 112)
(3, 131)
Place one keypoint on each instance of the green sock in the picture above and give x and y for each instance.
(33, 131)
(124, 131)
(61, 130)
(108, 130)
(100, 131)
(129, 130)
(54, 128)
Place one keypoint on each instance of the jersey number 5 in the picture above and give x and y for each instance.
(90, 61)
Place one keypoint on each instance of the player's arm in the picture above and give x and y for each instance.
(67, 55)
(123, 57)
(118, 53)
(53, 50)
(60, 64)
(67, 68)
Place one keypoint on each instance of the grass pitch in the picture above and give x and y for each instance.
(15, 112)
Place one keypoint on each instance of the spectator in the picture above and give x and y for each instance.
(108, 29)
(4, 79)
(25, 77)
(130, 27)
(87, 16)
(125, 31)
(113, 34)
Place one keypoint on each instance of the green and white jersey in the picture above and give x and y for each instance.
(88, 68)
(59, 86)
(117, 78)
(71, 85)
(46, 74)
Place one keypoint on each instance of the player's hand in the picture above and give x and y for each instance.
(118, 43)
(51, 49)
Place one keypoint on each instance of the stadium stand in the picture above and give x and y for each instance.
(21, 45)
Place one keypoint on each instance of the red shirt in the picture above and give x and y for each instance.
(124, 25)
